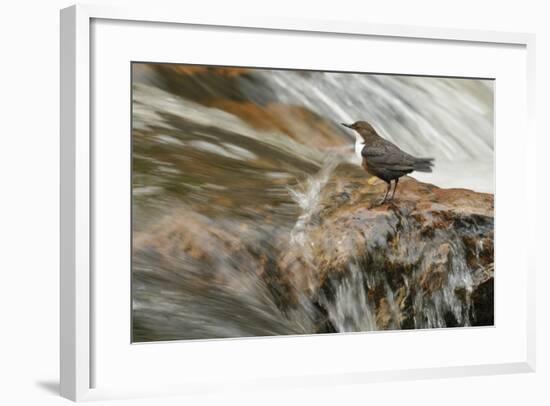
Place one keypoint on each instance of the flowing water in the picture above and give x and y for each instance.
(228, 170)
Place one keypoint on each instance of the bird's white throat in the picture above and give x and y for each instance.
(359, 144)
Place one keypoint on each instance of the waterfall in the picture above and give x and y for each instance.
(242, 182)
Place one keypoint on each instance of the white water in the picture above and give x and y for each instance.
(307, 197)
(450, 120)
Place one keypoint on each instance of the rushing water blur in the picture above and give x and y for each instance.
(228, 167)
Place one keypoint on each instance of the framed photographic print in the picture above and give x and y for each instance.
(233, 207)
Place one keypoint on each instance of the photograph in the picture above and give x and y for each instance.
(278, 202)
(221, 203)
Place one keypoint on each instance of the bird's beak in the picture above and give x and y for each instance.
(347, 125)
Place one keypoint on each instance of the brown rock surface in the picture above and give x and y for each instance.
(347, 264)
(436, 244)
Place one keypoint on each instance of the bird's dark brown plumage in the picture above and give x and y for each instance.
(384, 159)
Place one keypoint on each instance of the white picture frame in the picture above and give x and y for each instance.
(77, 282)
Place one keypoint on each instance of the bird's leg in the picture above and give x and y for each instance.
(394, 188)
(387, 192)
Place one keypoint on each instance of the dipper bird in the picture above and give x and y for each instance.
(383, 159)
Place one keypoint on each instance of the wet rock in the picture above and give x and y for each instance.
(297, 122)
(347, 264)
(205, 83)
(243, 93)
(483, 303)
(426, 258)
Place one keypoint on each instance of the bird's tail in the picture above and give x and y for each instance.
(423, 164)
